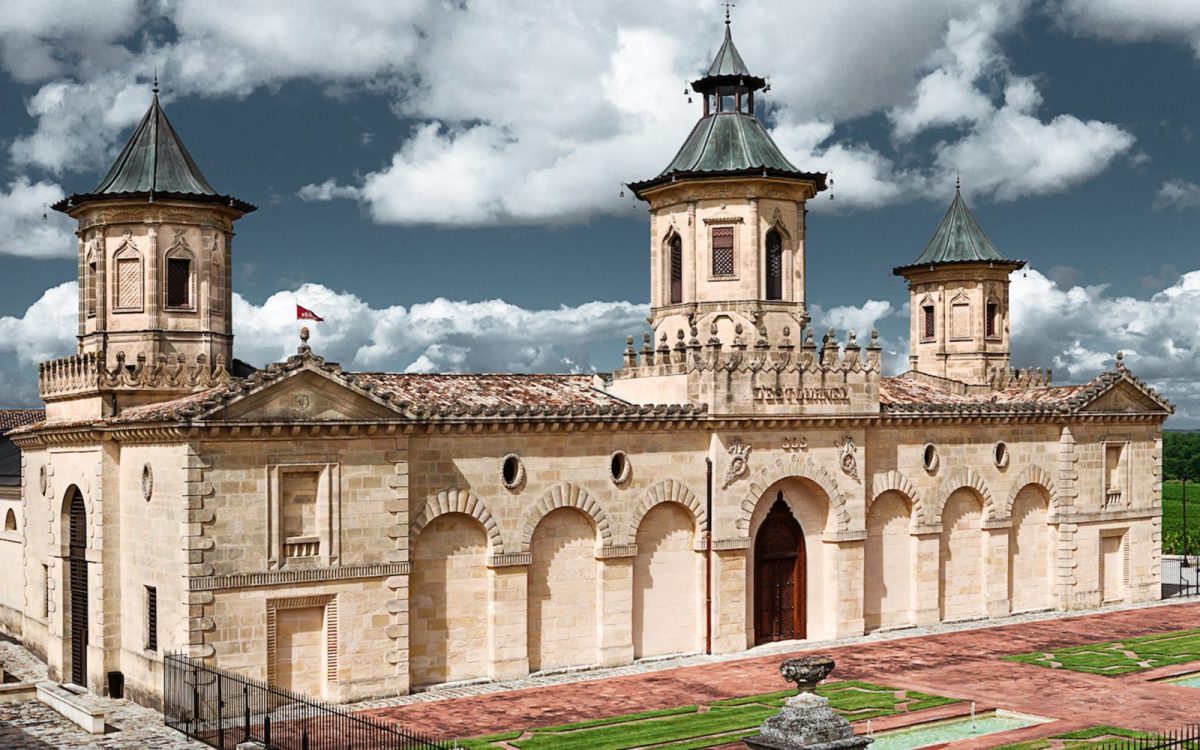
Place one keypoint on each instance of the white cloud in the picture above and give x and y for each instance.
(1078, 330)
(443, 335)
(45, 331)
(522, 120)
(1133, 20)
(1177, 194)
(24, 230)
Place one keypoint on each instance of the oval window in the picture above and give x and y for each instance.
(512, 472)
(930, 457)
(1001, 455)
(618, 467)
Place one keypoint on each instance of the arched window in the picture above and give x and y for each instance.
(10, 520)
(960, 318)
(676, 250)
(992, 318)
(928, 320)
(89, 284)
(180, 276)
(774, 248)
(216, 285)
(128, 278)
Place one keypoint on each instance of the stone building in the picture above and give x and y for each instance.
(742, 479)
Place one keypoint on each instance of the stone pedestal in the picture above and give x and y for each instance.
(806, 722)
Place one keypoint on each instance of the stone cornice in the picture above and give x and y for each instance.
(91, 434)
(301, 575)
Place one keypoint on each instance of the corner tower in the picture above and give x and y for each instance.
(154, 253)
(958, 301)
(727, 222)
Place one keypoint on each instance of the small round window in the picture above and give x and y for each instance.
(1000, 454)
(618, 467)
(930, 457)
(512, 471)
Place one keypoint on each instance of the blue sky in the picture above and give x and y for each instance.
(440, 180)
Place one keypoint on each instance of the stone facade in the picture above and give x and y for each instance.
(353, 535)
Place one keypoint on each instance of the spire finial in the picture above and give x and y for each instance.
(728, 5)
(957, 182)
(155, 87)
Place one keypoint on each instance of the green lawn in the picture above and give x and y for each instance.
(1120, 657)
(1173, 518)
(1092, 738)
(695, 727)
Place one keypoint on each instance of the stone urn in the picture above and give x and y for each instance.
(806, 722)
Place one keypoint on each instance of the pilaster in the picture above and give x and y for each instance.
(508, 615)
(850, 560)
(398, 585)
(928, 572)
(995, 571)
(730, 626)
(615, 608)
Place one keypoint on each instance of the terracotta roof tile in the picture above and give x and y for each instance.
(13, 418)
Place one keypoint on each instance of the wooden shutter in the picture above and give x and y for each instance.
(774, 245)
(722, 251)
(151, 618)
(676, 270)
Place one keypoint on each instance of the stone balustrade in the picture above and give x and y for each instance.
(85, 373)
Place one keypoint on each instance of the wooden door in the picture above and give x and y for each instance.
(779, 585)
(77, 570)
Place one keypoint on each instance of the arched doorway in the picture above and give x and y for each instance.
(779, 581)
(77, 572)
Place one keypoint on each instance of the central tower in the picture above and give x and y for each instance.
(727, 222)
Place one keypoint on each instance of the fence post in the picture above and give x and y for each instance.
(304, 739)
(267, 731)
(246, 701)
(220, 716)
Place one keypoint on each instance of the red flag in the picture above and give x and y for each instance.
(303, 313)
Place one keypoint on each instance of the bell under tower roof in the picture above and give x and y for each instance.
(729, 140)
(155, 164)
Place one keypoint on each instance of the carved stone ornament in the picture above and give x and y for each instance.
(806, 671)
(739, 462)
(147, 482)
(848, 458)
(807, 721)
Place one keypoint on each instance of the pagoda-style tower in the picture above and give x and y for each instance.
(154, 277)
(958, 295)
(727, 222)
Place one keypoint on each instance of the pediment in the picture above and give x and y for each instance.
(306, 396)
(1124, 396)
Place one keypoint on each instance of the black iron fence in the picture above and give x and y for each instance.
(222, 709)
(1180, 576)
(1187, 738)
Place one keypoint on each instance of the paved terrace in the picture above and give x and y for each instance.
(963, 663)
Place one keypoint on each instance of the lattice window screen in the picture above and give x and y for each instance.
(722, 251)
(929, 327)
(960, 320)
(129, 282)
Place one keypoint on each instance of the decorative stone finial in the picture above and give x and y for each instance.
(806, 671)
(1120, 360)
(304, 347)
(807, 722)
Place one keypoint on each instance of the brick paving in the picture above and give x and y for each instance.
(961, 664)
